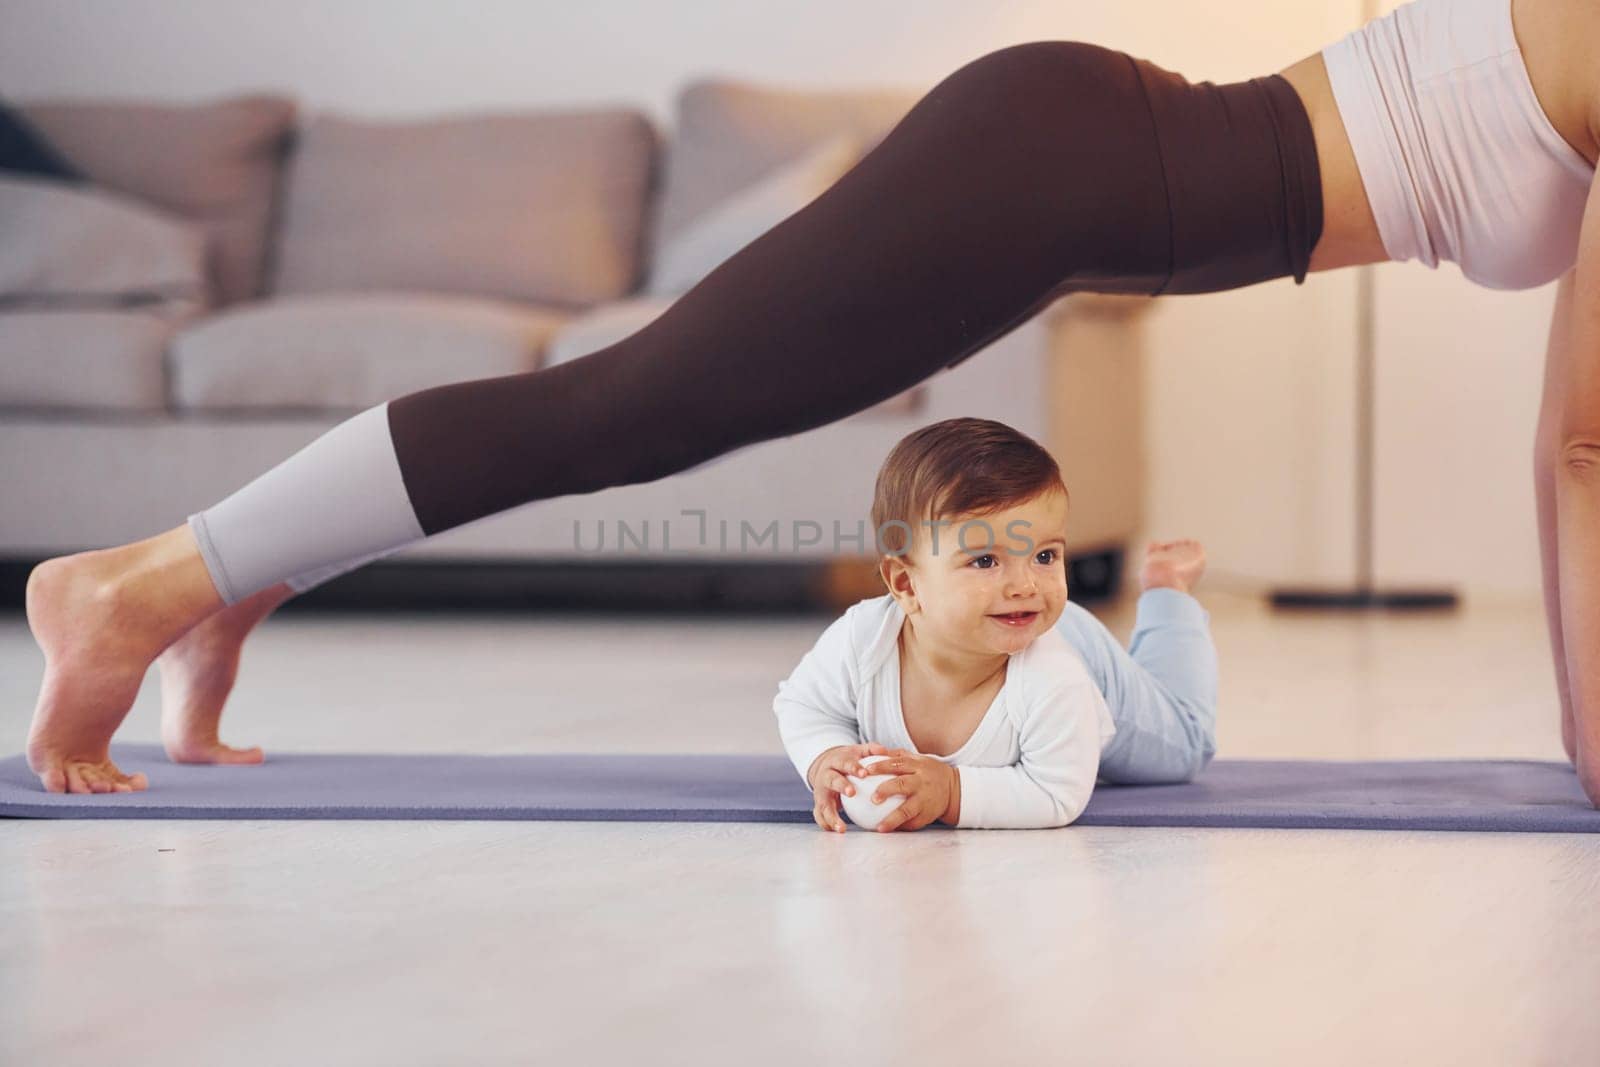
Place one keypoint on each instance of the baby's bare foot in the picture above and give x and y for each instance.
(101, 618)
(1172, 565)
(197, 675)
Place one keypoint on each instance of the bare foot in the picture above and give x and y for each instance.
(1172, 565)
(101, 618)
(197, 674)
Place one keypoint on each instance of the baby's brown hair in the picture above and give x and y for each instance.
(961, 466)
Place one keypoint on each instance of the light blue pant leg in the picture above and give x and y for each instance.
(1162, 691)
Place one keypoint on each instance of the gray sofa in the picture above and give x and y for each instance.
(238, 279)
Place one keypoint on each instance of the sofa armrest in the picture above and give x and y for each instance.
(1095, 389)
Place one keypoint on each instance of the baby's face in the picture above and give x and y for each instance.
(993, 583)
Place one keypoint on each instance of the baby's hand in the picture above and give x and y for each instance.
(928, 783)
(827, 780)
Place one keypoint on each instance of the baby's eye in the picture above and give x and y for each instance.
(980, 559)
(1050, 552)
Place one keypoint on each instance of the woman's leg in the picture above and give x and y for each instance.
(198, 670)
(1030, 172)
(1018, 175)
(197, 675)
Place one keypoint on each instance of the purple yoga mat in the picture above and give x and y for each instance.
(1515, 795)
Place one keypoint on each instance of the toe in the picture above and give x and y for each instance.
(54, 780)
(75, 782)
(138, 781)
(229, 754)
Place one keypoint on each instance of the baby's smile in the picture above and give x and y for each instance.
(1016, 619)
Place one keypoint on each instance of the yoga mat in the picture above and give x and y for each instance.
(1512, 795)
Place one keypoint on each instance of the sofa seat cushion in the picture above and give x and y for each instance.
(610, 323)
(215, 163)
(542, 206)
(97, 359)
(351, 351)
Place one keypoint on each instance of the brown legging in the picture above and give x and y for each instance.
(1034, 171)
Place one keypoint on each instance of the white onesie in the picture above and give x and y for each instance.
(1033, 758)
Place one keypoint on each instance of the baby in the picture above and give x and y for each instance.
(997, 701)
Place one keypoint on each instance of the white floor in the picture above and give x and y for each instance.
(444, 943)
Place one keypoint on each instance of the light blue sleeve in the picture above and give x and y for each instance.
(1161, 690)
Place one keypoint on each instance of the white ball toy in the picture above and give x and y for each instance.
(862, 811)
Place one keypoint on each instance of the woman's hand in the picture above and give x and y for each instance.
(932, 789)
(827, 778)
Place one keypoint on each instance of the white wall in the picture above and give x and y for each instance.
(1458, 370)
(1252, 393)
(406, 57)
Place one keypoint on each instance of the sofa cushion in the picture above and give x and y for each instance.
(544, 206)
(23, 150)
(96, 359)
(730, 134)
(214, 163)
(605, 326)
(70, 245)
(702, 245)
(351, 351)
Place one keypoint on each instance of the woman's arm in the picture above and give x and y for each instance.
(1546, 449)
(1574, 390)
